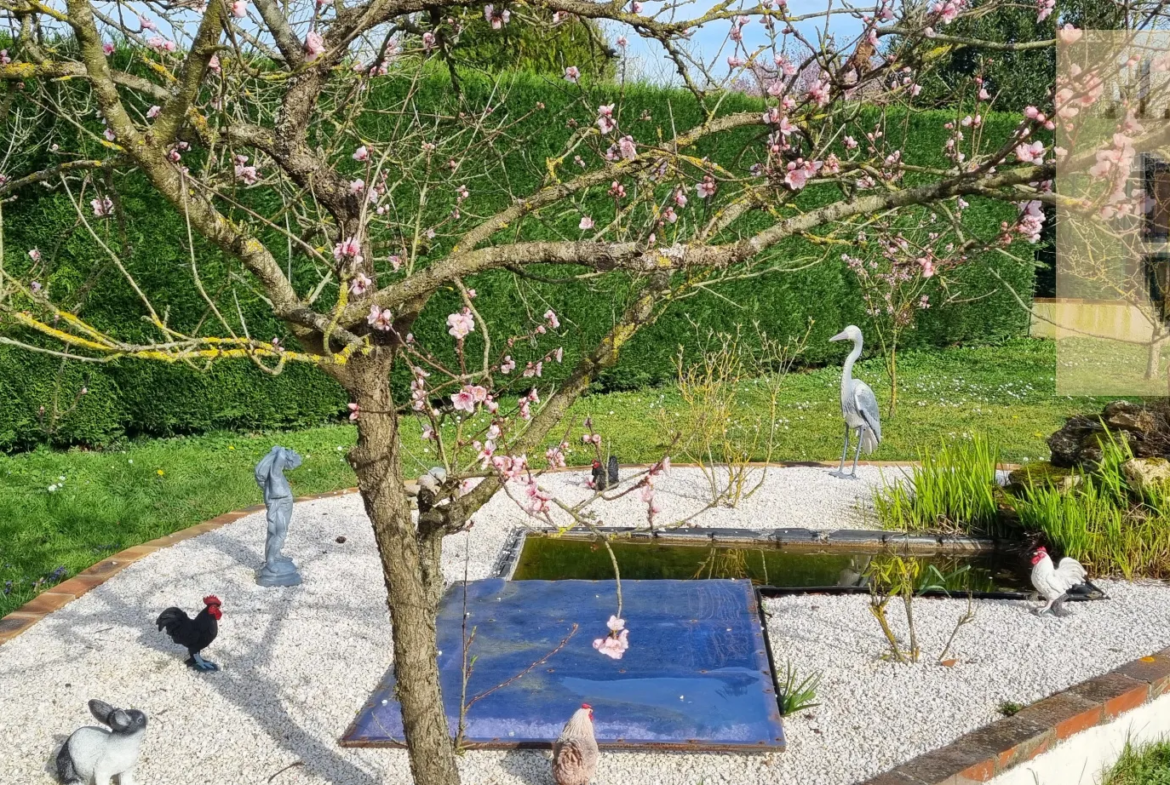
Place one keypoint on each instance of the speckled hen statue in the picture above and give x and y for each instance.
(195, 634)
(96, 755)
(1055, 584)
(575, 752)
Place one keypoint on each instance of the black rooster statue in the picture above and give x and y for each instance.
(194, 634)
(599, 478)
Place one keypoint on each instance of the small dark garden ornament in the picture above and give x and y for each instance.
(96, 755)
(600, 480)
(194, 634)
(278, 569)
(613, 471)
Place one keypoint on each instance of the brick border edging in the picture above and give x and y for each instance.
(989, 751)
(66, 592)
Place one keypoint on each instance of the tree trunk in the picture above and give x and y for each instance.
(413, 576)
(1153, 359)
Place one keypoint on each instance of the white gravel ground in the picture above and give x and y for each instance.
(298, 662)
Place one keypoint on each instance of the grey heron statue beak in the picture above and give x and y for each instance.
(841, 336)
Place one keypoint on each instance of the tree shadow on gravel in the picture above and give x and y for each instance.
(528, 766)
(245, 685)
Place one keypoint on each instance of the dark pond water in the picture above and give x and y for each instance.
(548, 559)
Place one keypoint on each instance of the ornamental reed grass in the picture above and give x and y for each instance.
(1098, 518)
(1102, 521)
(952, 490)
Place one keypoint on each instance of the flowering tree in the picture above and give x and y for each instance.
(252, 121)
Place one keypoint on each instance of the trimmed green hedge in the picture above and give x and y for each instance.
(134, 397)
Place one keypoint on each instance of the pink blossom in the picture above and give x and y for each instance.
(355, 411)
(1069, 34)
(240, 9)
(152, 112)
(508, 365)
(536, 500)
(464, 400)
(314, 46)
(361, 154)
(213, 63)
(349, 248)
(35, 286)
(146, 23)
(616, 643)
(706, 189)
(799, 171)
(605, 121)
(380, 318)
(1030, 153)
(947, 11)
(628, 150)
(461, 324)
(486, 451)
(428, 433)
(35, 255)
(550, 316)
(496, 19)
(107, 48)
(559, 354)
(786, 68)
(395, 262)
(533, 369)
(248, 174)
(818, 91)
(556, 456)
(680, 198)
(586, 223)
(850, 143)
(622, 41)
(359, 284)
(572, 74)
(1031, 221)
(103, 207)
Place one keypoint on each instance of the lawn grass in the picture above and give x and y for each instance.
(113, 499)
(1146, 765)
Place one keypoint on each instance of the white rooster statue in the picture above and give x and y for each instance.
(575, 753)
(1056, 583)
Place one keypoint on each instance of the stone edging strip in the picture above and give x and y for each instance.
(991, 750)
(67, 591)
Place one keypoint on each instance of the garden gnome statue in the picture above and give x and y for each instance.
(278, 570)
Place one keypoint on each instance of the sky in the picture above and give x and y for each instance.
(649, 61)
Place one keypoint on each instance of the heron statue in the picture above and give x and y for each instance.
(859, 406)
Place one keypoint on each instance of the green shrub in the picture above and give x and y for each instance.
(137, 396)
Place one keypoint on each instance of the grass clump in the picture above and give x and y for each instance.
(1009, 708)
(1146, 765)
(952, 490)
(796, 696)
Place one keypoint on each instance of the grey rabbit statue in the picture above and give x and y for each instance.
(96, 755)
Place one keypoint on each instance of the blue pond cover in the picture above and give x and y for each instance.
(696, 674)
